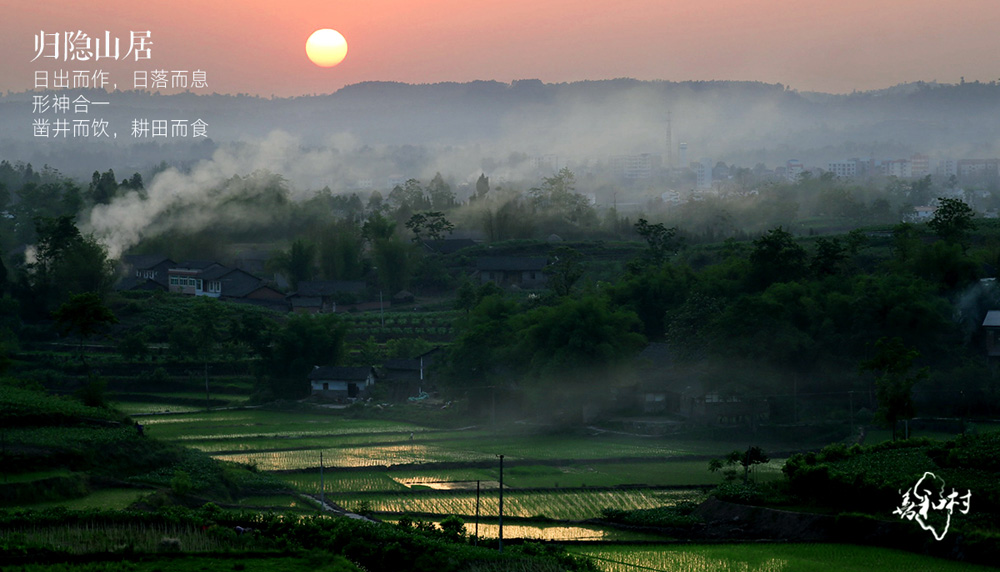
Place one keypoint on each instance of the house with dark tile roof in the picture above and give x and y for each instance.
(145, 272)
(323, 296)
(506, 271)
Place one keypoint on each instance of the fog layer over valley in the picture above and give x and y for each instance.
(462, 128)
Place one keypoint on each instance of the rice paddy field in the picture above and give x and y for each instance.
(394, 468)
(553, 483)
(766, 558)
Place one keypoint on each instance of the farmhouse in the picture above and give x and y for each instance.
(406, 378)
(322, 296)
(505, 271)
(992, 326)
(336, 382)
(145, 272)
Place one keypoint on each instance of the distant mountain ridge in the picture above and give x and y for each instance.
(729, 120)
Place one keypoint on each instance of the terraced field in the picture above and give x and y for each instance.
(393, 468)
(766, 558)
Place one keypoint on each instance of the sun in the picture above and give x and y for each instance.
(326, 48)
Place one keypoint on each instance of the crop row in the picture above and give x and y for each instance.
(403, 319)
(352, 457)
(377, 330)
(568, 505)
(272, 424)
(762, 558)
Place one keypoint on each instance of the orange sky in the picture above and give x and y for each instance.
(257, 47)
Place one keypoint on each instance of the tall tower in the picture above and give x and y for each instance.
(684, 155)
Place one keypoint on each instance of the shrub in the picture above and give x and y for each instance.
(181, 483)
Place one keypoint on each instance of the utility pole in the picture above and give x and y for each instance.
(322, 489)
(476, 537)
(501, 503)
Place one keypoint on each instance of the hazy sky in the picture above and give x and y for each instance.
(257, 46)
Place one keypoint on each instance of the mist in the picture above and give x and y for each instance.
(372, 136)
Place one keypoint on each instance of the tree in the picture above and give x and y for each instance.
(579, 335)
(563, 270)
(776, 257)
(829, 257)
(340, 252)
(482, 186)
(377, 227)
(375, 203)
(394, 262)
(953, 220)
(84, 314)
(662, 241)
(103, 187)
(65, 263)
(368, 353)
(304, 342)
(132, 346)
(298, 262)
(465, 297)
(754, 455)
(894, 380)
(431, 224)
(441, 196)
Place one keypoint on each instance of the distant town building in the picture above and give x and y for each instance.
(682, 155)
(978, 169)
(848, 169)
(920, 165)
(703, 173)
(793, 168)
(900, 168)
(947, 168)
(636, 167)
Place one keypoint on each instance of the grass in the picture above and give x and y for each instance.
(101, 499)
(136, 407)
(111, 538)
(33, 476)
(330, 563)
(273, 501)
(766, 558)
(249, 423)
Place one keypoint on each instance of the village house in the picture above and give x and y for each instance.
(340, 383)
(323, 296)
(507, 271)
(406, 378)
(145, 272)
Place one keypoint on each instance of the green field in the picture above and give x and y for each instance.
(101, 499)
(576, 504)
(200, 564)
(395, 468)
(766, 558)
